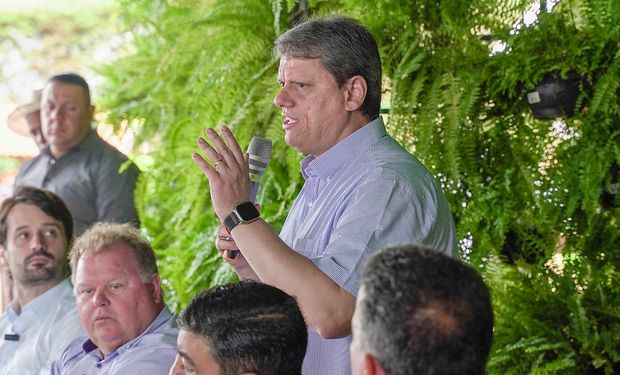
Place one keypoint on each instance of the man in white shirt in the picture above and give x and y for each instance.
(36, 229)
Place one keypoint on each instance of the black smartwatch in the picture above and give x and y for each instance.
(244, 212)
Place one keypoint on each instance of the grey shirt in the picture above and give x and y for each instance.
(90, 180)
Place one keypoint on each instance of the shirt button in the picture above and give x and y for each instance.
(52, 161)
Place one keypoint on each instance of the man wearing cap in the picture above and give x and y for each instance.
(91, 176)
(26, 120)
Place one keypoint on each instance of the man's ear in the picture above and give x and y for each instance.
(355, 94)
(156, 286)
(372, 366)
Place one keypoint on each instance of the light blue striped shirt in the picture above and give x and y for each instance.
(364, 194)
(152, 352)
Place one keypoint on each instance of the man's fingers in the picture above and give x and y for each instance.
(204, 166)
(233, 145)
(221, 148)
(208, 149)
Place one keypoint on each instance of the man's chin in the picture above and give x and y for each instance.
(39, 276)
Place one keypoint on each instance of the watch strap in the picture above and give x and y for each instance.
(244, 212)
(231, 221)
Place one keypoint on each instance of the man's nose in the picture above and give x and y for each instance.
(56, 114)
(100, 298)
(282, 98)
(38, 242)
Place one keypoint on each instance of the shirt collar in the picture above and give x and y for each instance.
(331, 161)
(40, 306)
(88, 143)
(89, 346)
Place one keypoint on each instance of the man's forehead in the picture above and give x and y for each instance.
(30, 214)
(298, 60)
(62, 91)
(115, 261)
(302, 68)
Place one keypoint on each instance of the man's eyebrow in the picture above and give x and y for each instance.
(53, 224)
(47, 224)
(185, 356)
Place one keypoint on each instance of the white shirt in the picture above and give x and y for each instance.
(45, 326)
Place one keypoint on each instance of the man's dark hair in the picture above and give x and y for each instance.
(422, 312)
(73, 79)
(346, 49)
(249, 327)
(45, 200)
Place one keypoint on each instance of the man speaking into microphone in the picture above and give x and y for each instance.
(362, 191)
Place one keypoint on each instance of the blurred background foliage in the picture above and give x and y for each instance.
(535, 201)
(38, 39)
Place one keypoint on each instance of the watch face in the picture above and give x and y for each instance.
(247, 211)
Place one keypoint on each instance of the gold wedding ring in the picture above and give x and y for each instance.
(218, 161)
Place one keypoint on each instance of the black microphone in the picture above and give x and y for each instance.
(259, 152)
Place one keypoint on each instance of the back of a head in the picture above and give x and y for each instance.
(346, 49)
(249, 327)
(422, 312)
(48, 202)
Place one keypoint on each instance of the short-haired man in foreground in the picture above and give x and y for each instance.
(36, 229)
(244, 328)
(119, 301)
(420, 312)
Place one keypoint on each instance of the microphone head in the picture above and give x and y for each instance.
(259, 151)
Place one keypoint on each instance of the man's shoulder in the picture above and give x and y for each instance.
(4, 320)
(63, 323)
(163, 331)
(387, 159)
(106, 156)
(102, 148)
(27, 167)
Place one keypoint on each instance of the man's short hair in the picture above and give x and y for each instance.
(102, 237)
(422, 312)
(346, 49)
(51, 204)
(249, 327)
(73, 79)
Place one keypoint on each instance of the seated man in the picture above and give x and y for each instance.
(119, 301)
(36, 229)
(244, 328)
(420, 312)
